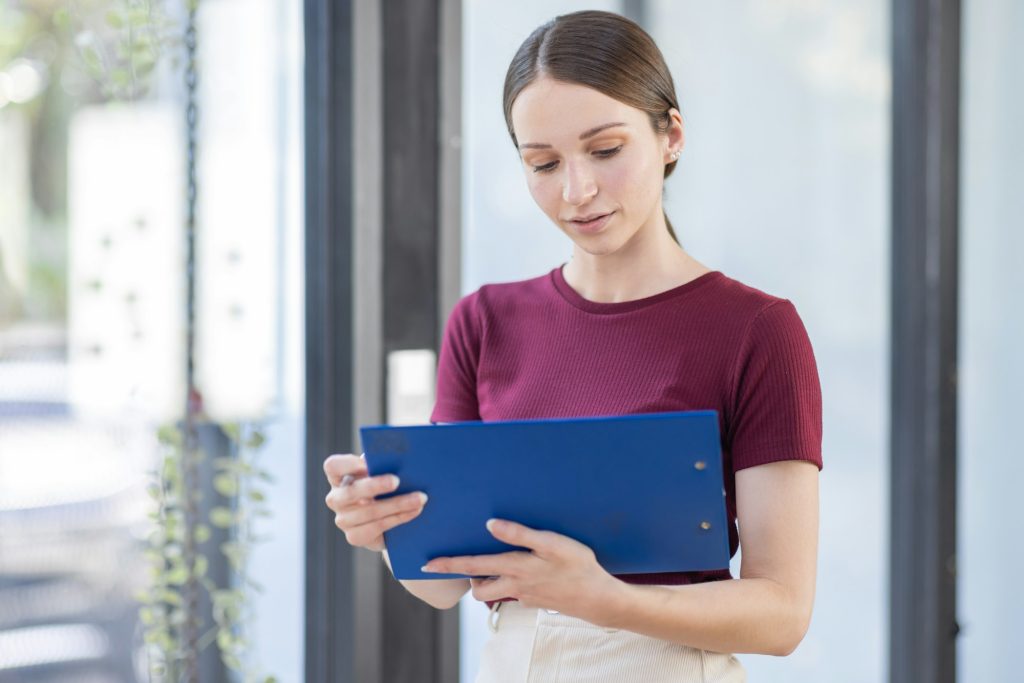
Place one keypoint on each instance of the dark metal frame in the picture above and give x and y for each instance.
(411, 308)
(372, 160)
(925, 189)
(330, 580)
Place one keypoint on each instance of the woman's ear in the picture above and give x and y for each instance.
(676, 132)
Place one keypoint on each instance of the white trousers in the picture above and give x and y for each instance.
(530, 645)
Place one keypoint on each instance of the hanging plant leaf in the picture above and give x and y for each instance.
(114, 19)
(169, 435)
(92, 61)
(231, 429)
(255, 441)
(178, 575)
(221, 517)
(120, 77)
(226, 485)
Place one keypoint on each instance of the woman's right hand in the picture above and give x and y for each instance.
(356, 511)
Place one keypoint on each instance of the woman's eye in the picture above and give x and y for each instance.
(602, 153)
(605, 153)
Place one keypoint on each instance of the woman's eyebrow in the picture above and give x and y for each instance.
(583, 136)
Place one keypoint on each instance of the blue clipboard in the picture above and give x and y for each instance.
(644, 491)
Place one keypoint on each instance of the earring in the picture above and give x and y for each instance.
(674, 155)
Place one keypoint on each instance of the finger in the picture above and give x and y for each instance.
(370, 487)
(513, 533)
(481, 580)
(495, 589)
(360, 490)
(336, 466)
(366, 534)
(353, 516)
(499, 564)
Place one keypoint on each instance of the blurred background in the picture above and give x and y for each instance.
(93, 270)
(785, 184)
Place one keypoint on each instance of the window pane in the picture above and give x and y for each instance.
(783, 185)
(251, 280)
(92, 318)
(989, 558)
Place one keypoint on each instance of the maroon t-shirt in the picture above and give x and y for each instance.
(536, 348)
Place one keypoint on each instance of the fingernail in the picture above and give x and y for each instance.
(490, 524)
(423, 498)
(394, 481)
(425, 568)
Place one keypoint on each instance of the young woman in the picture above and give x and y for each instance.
(630, 324)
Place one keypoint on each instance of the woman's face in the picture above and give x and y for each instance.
(588, 155)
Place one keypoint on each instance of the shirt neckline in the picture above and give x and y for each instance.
(603, 307)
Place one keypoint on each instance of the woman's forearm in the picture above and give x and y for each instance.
(439, 593)
(754, 615)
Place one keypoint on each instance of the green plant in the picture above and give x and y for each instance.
(121, 42)
(177, 564)
(240, 480)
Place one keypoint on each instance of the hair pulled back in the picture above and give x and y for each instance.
(601, 50)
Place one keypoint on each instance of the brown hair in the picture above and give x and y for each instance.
(604, 51)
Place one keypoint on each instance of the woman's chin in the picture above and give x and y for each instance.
(596, 246)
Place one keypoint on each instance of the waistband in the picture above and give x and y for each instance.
(512, 614)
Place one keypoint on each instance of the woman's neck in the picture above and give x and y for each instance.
(640, 268)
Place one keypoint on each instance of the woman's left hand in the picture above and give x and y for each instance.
(558, 573)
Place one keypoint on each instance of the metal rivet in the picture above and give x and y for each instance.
(705, 525)
(699, 465)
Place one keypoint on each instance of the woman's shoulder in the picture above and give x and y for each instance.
(750, 314)
(500, 296)
(745, 298)
(763, 322)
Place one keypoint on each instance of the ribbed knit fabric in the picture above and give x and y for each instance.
(536, 348)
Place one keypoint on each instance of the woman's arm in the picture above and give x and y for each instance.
(768, 609)
(439, 593)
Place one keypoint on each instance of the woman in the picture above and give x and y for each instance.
(630, 324)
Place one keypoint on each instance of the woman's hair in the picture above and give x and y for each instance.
(603, 51)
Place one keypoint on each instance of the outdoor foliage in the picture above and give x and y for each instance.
(177, 566)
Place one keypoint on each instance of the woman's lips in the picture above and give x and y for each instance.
(593, 226)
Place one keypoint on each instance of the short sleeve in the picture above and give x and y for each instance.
(456, 399)
(776, 397)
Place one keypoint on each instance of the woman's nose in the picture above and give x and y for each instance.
(579, 185)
